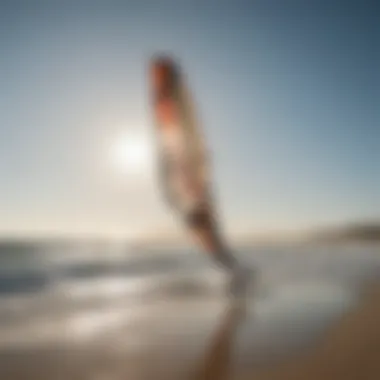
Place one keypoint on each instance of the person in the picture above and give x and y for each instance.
(184, 171)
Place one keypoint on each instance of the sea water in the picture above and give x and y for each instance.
(65, 291)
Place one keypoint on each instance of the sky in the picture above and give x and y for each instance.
(287, 92)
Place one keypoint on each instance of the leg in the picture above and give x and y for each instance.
(204, 228)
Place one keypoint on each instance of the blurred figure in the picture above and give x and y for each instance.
(184, 167)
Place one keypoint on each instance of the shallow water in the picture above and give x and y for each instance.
(46, 295)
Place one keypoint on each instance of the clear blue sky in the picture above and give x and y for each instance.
(288, 94)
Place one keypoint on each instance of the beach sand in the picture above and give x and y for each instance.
(272, 338)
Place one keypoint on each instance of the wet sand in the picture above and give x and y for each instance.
(349, 350)
(275, 338)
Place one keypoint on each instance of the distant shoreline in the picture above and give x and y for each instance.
(354, 234)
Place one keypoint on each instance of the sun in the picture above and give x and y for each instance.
(130, 153)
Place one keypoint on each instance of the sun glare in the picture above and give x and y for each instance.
(130, 153)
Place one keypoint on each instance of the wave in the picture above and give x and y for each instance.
(51, 287)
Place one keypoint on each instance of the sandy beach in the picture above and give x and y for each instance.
(272, 337)
(310, 314)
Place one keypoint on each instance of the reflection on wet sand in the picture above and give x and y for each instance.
(216, 363)
(350, 351)
(158, 345)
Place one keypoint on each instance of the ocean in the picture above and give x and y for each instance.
(67, 292)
